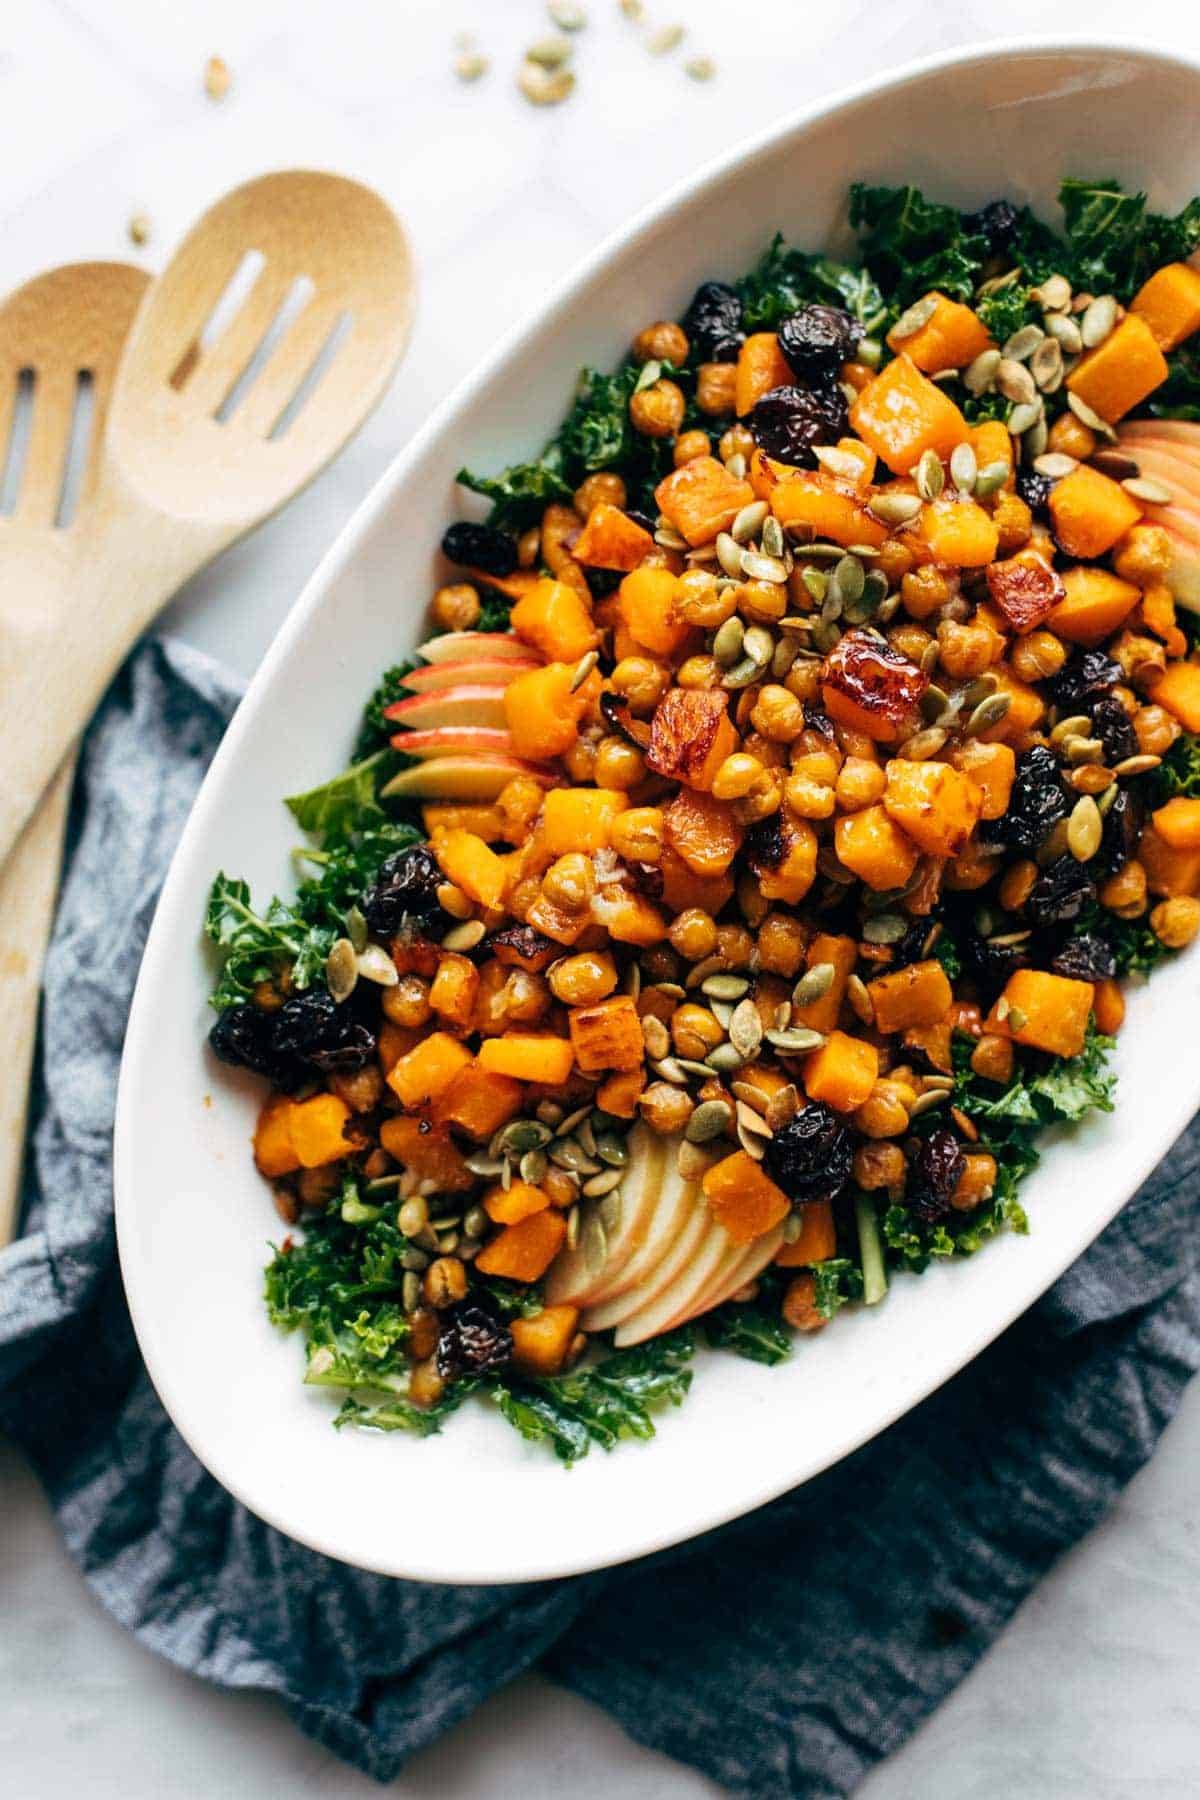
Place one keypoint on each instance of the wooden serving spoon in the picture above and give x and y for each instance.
(238, 383)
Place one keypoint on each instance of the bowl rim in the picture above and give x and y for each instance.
(338, 556)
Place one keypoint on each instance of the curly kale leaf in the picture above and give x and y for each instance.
(1135, 946)
(395, 1413)
(1115, 241)
(1179, 771)
(911, 244)
(602, 1404)
(1064, 1092)
(257, 947)
(521, 493)
(784, 279)
(752, 1331)
(345, 804)
(1178, 397)
(376, 731)
(1005, 310)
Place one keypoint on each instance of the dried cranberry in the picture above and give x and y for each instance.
(991, 963)
(405, 889)
(817, 340)
(713, 323)
(765, 843)
(1087, 957)
(1034, 489)
(642, 519)
(480, 547)
(1036, 804)
(933, 1174)
(810, 1156)
(311, 1028)
(241, 1037)
(1060, 892)
(1110, 723)
(997, 222)
(816, 720)
(1121, 836)
(472, 1342)
(1086, 678)
(788, 421)
(602, 582)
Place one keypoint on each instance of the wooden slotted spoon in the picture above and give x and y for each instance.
(61, 335)
(224, 406)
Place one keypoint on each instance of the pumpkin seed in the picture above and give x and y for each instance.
(657, 1037)
(1036, 439)
(693, 1160)
(700, 1070)
(758, 567)
(612, 1150)
(745, 1090)
(979, 375)
(668, 539)
(700, 68)
(1054, 295)
(745, 1029)
(1098, 322)
(722, 1012)
(1024, 415)
(521, 1135)
(1088, 416)
(483, 1166)
(753, 1146)
(1136, 765)
(544, 87)
(594, 1241)
(1115, 464)
(753, 1121)
(991, 477)
(464, 937)
(838, 462)
(727, 643)
(708, 965)
(1154, 493)
(1015, 382)
(374, 964)
(596, 1186)
(773, 541)
(816, 582)
(469, 65)
(587, 1136)
(1022, 344)
(1055, 465)
(979, 689)
(964, 468)
(813, 985)
(725, 987)
(356, 928)
(748, 522)
(826, 636)
(848, 580)
(1083, 750)
(1046, 365)
(870, 352)
(341, 970)
(796, 1040)
(989, 712)
(724, 1059)
(934, 702)
(861, 1003)
(791, 1228)
(413, 1216)
(885, 928)
(567, 15)
(931, 477)
(927, 1101)
(710, 1119)
(1085, 828)
(785, 655)
(550, 53)
(759, 645)
(783, 1015)
(914, 318)
(670, 1069)
(573, 1228)
(665, 39)
(783, 1105)
(533, 1166)
(923, 744)
(1065, 333)
(1018, 1018)
(565, 1153)
(1078, 725)
(729, 554)
(894, 509)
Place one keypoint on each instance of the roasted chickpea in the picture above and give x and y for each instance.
(642, 681)
(764, 798)
(579, 760)
(910, 639)
(884, 1114)
(604, 488)
(781, 944)
(699, 672)
(1036, 657)
(558, 1184)
(1143, 555)
(657, 411)
(992, 1058)
(777, 714)
(737, 776)
(977, 1182)
(618, 765)
(694, 1031)
(638, 834)
(1013, 520)
(799, 1306)
(445, 1282)
(762, 602)
(716, 387)
(1175, 922)
(737, 441)
(689, 445)
(966, 650)
(425, 1385)
(520, 802)
(1142, 659)
(1125, 892)
(924, 591)
(1155, 730)
(584, 979)
(1108, 1007)
(407, 1004)
(860, 783)
(456, 608)
(524, 999)
(804, 678)
(570, 882)
(809, 799)
(895, 560)
(699, 601)
(879, 1165)
(693, 934)
(735, 946)
(1069, 436)
(662, 342)
(665, 1108)
(1016, 885)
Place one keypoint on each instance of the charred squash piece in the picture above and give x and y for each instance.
(870, 686)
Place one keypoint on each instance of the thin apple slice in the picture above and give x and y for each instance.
(1179, 472)
(450, 706)
(749, 1267)
(676, 1203)
(479, 777)
(454, 740)
(1180, 431)
(663, 1270)
(496, 673)
(716, 1284)
(473, 646)
(577, 1275)
(674, 1300)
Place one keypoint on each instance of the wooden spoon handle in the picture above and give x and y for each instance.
(28, 890)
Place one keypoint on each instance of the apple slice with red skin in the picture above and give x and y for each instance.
(1168, 450)
(463, 777)
(575, 1277)
(674, 1299)
(454, 740)
(479, 706)
(496, 673)
(474, 646)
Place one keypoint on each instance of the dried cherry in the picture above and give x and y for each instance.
(1087, 957)
(713, 323)
(472, 1341)
(765, 843)
(1111, 724)
(817, 340)
(991, 963)
(997, 222)
(934, 1171)
(405, 890)
(1034, 489)
(1060, 893)
(1085, 678)
(480, 547)
(788, 421)
(810, 1156)
(1036, 804)
(241, 1037)
(1122, 834)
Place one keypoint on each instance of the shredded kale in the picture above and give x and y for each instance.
(911, 244)
(1115, 242)
(521, 493)
(785, 279)
(1005, 310)
(345, 804)
(1178, 397)
(1135, 946)
(1066, 1090)
(398, 1414)
(838, 1281)
(947, 952)
(1179, 771)
(749, 1330)
(257, 947)
(600, 1404)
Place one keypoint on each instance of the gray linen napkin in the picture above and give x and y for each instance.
(782, 1655)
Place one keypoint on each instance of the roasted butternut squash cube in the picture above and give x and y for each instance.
(701, 499)
(958, 533)
(1089, 511)
(627, 916)
(556, 620)
(1178, 823)
(428, 1150)
(842, 1072)
(1179, 691)
(705, 832)
(580, 819)
(991, 443)
(933, 803)
(1025, 590)
(841, 954)
(992, 768)
(540, 1344)
(683, 888)
(952, 338)
(742, 1197)
(647, 602)
(873, 847)
(519, 1200)
(864, 456)
(919, 994)
(611, 540)
(761, 366)
(452, 993)
(1169, 871)
(317, 1129)
(1170, 304)
(607, 1035)
(521, 947)
(274, 1152)
(471, 865)
(554, 921)
(1046, 1012)
(901, 414)
(817, 1241)
(619, 1094)
(784, 857)
(1119, 373)
(528, 1056)
(524, 1251)
(542, 713)
(1095, 603)
(831, 509)
(691, 734)
(423, 1075)
(479, 1103)
(871, 687)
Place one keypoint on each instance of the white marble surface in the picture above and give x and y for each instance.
(1091, 1695)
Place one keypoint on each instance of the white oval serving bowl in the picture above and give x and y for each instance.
(194, 1219)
